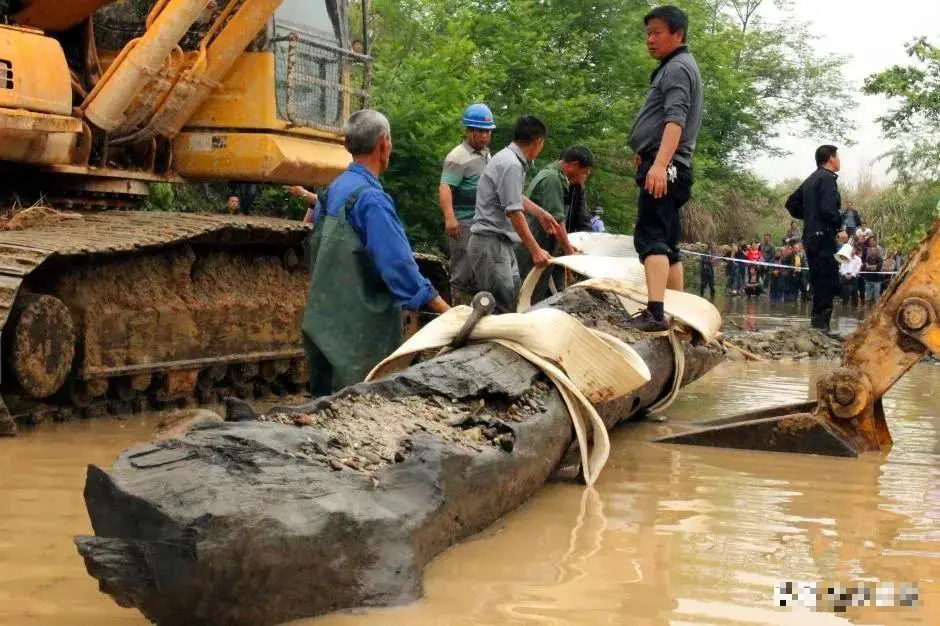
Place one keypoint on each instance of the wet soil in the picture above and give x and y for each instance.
(180, 305)
(365, 433)
(795, 344)
(35, 216)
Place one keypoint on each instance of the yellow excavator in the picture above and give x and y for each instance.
(114, 310)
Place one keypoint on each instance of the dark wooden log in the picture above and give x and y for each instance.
(259, 523)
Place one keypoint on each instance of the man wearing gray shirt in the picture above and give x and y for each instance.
(663, 138)
(498, 221)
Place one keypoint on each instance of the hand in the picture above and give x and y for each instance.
(572, 250)
(438, 305)
(297, 191)
(636, 162)
(540, 257)
(656, 181)
(452, 226)
(549, 223)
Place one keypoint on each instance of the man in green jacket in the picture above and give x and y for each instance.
(550, 190)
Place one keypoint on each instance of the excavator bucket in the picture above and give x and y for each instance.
(790, 428)
(848, 418)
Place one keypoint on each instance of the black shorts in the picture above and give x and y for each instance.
(659, 222)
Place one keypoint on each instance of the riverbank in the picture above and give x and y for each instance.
(795, 344)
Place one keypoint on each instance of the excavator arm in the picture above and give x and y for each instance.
(848, 417)
(112, 98)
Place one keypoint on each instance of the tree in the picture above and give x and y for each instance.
(914, 120)
(583, 68)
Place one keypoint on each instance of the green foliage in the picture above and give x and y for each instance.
(273, 201)
(914, 121)
(904, 211)
(583, 68)
(902, 215)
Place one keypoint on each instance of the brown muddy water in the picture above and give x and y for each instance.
(671, 535)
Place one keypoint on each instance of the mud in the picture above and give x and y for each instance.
(180, 304)
(795, 344)
(607, 315)
(368, 432)
(179, 423)
(35, 216)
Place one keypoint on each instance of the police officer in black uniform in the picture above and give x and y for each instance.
(817, 202)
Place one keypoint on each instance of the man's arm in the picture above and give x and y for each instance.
(539, 256)
(299, 192)
(509, 192)
(445, 196)
(677, 100)
(549, 223)
(548, 193)
(388, 247)
(829, 202)
(566, 244)
(451, 177)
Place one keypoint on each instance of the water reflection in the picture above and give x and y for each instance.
(696, 535)
(762, 314)
(671, 535)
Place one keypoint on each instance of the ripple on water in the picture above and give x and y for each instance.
(671, 535)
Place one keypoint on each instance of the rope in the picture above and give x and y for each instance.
(731, 260)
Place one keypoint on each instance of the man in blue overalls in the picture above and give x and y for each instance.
(362, 269)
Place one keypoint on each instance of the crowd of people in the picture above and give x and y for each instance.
(782, 271)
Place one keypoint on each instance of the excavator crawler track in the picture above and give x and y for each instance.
(120, 311)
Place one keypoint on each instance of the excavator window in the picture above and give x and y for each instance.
(6, 74)
(309, 17)
(319, 79)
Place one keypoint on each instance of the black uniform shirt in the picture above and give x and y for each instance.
(822, 205)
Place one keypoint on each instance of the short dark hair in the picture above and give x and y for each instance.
(580, 155)
(824, 153)
(529, 129)
(674, 18)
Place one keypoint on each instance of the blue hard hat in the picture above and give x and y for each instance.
(478, 116)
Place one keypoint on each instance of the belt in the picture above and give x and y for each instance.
(651, 156)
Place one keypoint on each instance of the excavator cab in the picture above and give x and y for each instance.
(113, 311)
(848, 416)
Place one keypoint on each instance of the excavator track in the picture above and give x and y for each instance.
(119, 311)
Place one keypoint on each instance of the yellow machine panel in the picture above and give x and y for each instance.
(36, 125)
(33, 72)
(219, 155)
(246, 98)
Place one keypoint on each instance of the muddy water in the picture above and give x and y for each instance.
(762, 314)
(672, 535)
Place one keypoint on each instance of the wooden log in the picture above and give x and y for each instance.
(258, 523)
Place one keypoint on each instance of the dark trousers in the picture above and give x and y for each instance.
(798, 285)
(708, 280)
(823, 276)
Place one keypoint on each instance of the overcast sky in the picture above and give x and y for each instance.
(872, 33)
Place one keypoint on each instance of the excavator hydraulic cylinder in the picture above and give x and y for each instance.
(140, 60)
